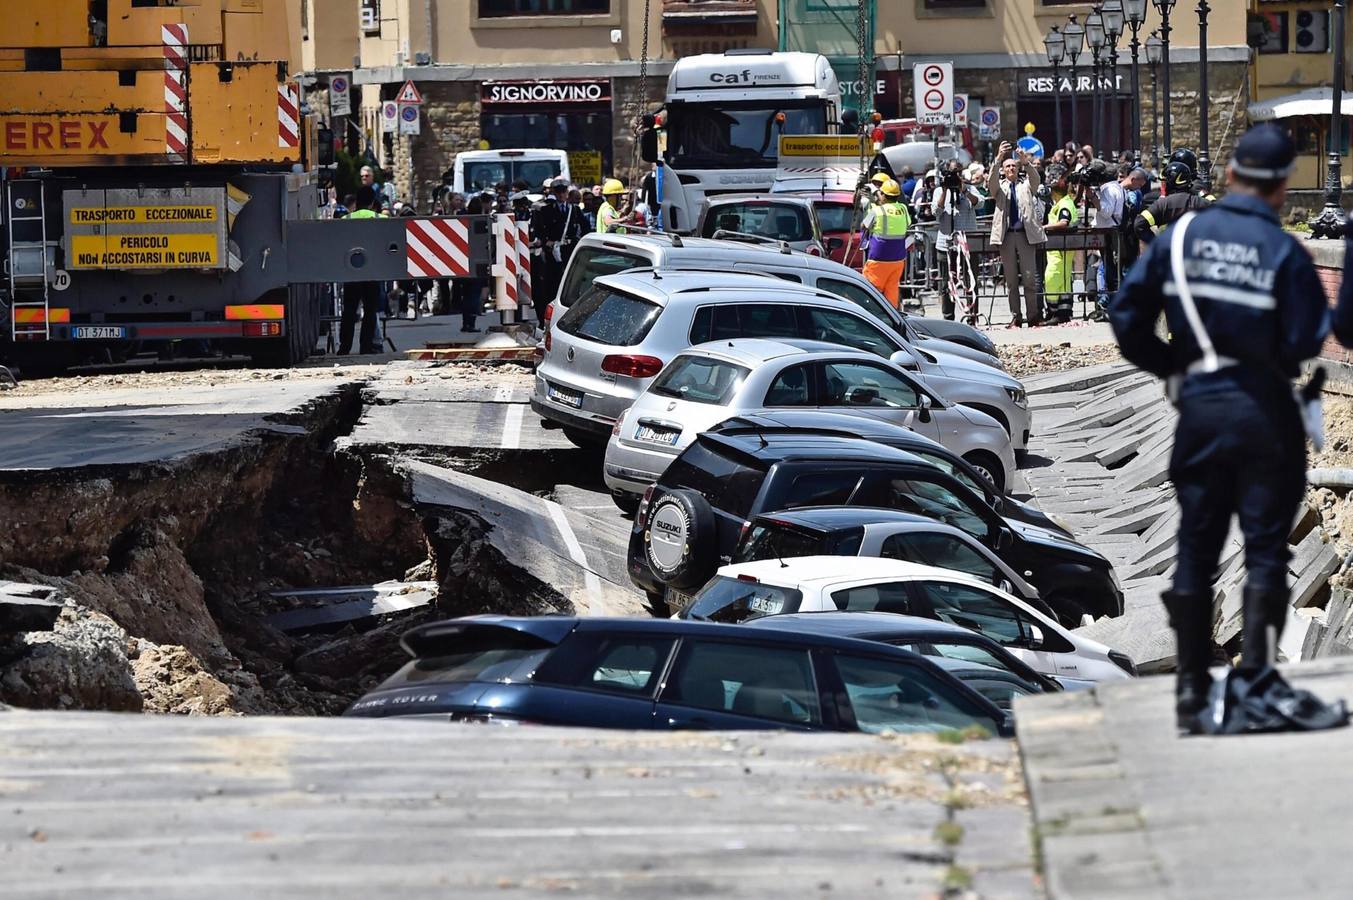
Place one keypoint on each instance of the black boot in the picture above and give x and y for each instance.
(1191, 618)
(1265, 615)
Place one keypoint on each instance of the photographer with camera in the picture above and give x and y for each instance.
(953, 207)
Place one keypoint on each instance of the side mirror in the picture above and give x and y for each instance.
(1035, 641)
(1005, 539)
(648, 145)
(925, 404)
(834, 244)
(1005, 585)
(904, 360)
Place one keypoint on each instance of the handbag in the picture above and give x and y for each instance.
(1308, 397)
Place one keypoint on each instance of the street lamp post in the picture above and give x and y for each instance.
(1073, 33)
(1330, 222)
(1094, 34)
(1055, 45)
(1112, 10)
(1163, 7)
(1136, 15)
(1204, 160)
(1153, 44)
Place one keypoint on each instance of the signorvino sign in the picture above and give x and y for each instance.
(511, 92)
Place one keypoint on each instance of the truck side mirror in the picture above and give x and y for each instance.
(648, 145)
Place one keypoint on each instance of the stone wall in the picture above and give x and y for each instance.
(450, 125)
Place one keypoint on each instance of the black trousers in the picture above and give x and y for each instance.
(365, 295)
(1239, 449)
(543, 291)
(469, 301)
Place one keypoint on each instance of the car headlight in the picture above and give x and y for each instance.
(1018, 397)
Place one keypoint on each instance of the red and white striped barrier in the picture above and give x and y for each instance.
(175, 42)
(288, 115)
(438, 248)
(506, 265)
(524, 263)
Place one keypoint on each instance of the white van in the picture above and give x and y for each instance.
(481, 170)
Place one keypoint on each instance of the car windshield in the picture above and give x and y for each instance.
(700, 380)
(485, 174)
(737, 135)
(491, 664)
(587, 264)
(611, 318)
(834, 217)
(778, 540)
(779, 221)
(732, 600)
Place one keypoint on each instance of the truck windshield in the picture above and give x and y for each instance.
(737, 135)
(484, 175)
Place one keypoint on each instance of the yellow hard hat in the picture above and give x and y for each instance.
(891, 188)
(612, 186)
(879, 177)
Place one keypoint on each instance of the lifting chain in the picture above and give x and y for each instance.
(643, 91)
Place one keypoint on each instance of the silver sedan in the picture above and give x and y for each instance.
(711, 382)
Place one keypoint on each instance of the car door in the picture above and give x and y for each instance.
(601, 680)
(836, 326)
(728, 321)
(727, 684)
(887, 694)
(875, 306)
(993, 616)
(885, 393)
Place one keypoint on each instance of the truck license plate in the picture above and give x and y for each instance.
(98, 332)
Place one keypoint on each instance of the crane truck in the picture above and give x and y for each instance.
(161, 183)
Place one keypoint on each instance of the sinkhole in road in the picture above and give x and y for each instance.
(175, 571)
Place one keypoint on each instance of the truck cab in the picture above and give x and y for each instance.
(724, 116)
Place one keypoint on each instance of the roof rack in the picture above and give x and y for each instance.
(724, 234)
(653, 232)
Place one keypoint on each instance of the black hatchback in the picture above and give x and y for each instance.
(692, 519)
(665, 674)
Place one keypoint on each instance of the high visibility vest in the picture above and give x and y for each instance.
(607, 211)
(364, 214)
(891, 221)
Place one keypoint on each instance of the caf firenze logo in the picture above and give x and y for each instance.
(545, 91)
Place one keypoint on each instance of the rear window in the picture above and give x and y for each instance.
(700, 380)
(727, 484)
(731, 601)
(778, 540)
(780, 221)
(832, 217)
(472, 665)
(607, 317)
(589, 263)
(613, 664)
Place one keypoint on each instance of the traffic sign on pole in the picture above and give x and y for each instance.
(960, 109)
(410, 120)
(389, 117)
(934, 93)
(989, 124)
(340, 96)
(409, 94)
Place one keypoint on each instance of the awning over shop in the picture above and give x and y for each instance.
(1310, 102)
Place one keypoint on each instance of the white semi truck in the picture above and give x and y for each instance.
(724, 115)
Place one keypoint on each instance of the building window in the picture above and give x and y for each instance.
(495, 8)
(1276, 41)
(941, 5)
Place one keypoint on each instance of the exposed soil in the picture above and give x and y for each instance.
(1023, 360)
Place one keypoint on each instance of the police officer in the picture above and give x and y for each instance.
(1179, 198)
(1239, 444)
(556, 226)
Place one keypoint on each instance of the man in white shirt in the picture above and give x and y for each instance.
(1112, 196)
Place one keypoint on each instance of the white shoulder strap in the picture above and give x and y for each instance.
(1181, 285)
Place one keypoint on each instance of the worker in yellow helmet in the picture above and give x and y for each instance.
(609, 219)
(887, 224)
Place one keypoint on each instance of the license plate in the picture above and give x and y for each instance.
(568, 398)
(656, 435)
(678, 602)
(98, 332)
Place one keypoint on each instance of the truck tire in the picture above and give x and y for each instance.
(679, 540)
(299, 341)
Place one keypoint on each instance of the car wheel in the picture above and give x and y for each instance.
(989, 467)
(628, 503)
(679, 537)
(1068, 609)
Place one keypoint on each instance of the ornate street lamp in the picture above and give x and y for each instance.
(1094, 34)
(1163, 7)
(1055, 45)
(1136, 15)
(1330, 222)
(1112, 11)
(1073, 33)
(1153, 48)
(1204, 161)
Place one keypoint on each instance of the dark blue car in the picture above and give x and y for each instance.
(668, 674)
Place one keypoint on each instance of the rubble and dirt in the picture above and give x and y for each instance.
(1023, 360)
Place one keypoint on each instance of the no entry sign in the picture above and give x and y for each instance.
(934, 92)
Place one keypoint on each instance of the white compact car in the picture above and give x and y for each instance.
(714, 381)
(829, 583)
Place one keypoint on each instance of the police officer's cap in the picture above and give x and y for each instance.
(1187, 157)
(559, 184)
(1264, 153)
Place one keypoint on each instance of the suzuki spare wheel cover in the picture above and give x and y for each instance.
(669, 531)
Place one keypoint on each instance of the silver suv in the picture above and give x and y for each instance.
(603, 352)
(610, 254)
